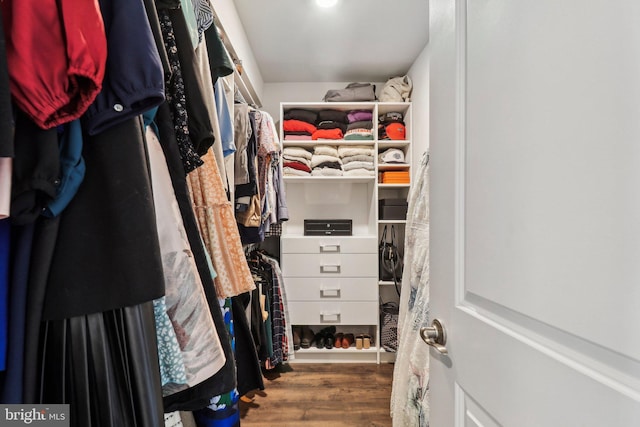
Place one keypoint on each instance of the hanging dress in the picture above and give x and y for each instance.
(219, 230)
(410, 391)
(200, 353)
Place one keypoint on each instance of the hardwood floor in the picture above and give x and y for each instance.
(322, 395)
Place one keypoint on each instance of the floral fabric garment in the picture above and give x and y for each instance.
(410, 392)
(176, 98)
(172, 368)
(217, 224)
(186, 304)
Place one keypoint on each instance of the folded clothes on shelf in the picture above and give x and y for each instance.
(395, 177)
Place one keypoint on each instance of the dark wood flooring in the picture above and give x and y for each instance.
(322, 395)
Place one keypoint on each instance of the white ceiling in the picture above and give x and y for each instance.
(357, 40)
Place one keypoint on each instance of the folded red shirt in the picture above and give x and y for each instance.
(298, 126)
(297, 165)
(327, 134)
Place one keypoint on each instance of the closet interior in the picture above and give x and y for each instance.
(333, 277)
(164, 239)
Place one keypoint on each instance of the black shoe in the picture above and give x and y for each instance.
(328, 341)
(328, 330)
(319, 340)
(307, 337)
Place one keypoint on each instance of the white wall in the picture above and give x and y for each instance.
(419, 73)
(230, 22)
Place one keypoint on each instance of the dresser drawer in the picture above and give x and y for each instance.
(330, 289)
(326, 245)
(330, 265)
(333, 313)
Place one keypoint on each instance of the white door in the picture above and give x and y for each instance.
(535, 212)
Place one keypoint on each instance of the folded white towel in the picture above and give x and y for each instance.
(358, 165)
(359, 158)
(326, 172)
(360, 172)
(355, 150)
(297, 151)
(326, 150)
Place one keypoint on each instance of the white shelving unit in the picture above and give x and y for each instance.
(333, 280)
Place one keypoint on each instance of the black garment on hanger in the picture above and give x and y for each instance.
(224, 381)
(105, 365)
(200, 128)
(11, 382)
(44, 241)
(219, 61)
(168, 4)
(107, 253)
(36, 170)
(6, 115)
(248, 364)
(154, 23)
(176, 98)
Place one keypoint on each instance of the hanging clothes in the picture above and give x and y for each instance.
(44, 240)
(36, 168)
(99, 342)
(107, 253)
(201, 353)
(204, 16)
(11, 382)
(6, 169)
(105, 365)
(198, 117)
(56, 55)
(218, 227)
(5, 235)
(134, 78)
(204, 74)
(270, 324)
(34, 186)
(282, 335)
(265, 204)
(175, 95)
(410, 391)
(222, 410)
(225, 380)
(247, 361)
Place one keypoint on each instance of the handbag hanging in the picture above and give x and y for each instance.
(390, 261)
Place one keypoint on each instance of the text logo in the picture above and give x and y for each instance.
(34, 415)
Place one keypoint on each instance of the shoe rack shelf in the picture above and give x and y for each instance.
(333, 280)
(336, 355)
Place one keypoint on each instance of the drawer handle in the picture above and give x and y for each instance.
(330, 292)
(330, 268)
(330, 248)
(329, 317)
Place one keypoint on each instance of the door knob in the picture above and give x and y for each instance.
(435, 336)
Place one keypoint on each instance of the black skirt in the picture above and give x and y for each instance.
(105, 365)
